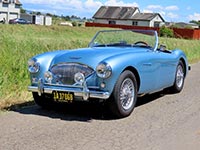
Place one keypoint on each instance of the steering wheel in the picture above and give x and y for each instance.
(141, 42)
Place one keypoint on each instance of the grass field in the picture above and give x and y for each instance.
(18, 43)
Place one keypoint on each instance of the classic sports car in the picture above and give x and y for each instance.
(117, 67)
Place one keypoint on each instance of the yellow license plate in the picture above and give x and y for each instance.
(63, 96)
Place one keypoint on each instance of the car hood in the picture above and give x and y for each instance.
(92, 56)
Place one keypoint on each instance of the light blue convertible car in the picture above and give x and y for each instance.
(116, 67)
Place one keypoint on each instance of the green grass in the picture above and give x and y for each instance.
(18, 43)
(190, 47)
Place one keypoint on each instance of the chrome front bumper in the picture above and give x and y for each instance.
(83, 92)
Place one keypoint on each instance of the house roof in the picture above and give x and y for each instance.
(146, 16)
(18, 2)
(115, 12)
(183, 24)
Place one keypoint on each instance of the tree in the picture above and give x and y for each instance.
(38, 13)
(166, 32)
(22, 10)
(49, 14)
(195, 22)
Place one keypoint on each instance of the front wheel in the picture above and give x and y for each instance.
(44, 101)
(124, 96)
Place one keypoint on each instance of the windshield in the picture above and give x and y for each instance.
(133, 38)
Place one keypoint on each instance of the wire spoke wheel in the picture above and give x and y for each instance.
(124, 96)
(179, 76)
(127, 94)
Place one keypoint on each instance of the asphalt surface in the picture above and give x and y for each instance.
(159, 122)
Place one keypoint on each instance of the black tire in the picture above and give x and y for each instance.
(124, 96)
(44, 101)
(179, 78)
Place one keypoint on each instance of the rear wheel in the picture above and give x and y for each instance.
(179, 78)
(124, 96)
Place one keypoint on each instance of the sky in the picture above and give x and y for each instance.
(170, 10)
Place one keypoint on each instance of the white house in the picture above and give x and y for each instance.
(9, 9)
(115, 15)
(37, 19)
(127, 16)
(148, 20)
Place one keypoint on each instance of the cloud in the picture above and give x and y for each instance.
(119, 3)
(166, 12)
(44, 2)
(156, 7)
(54, 3)
(172, 8)
(159, 7)
(92, 5)
(195, 16)
(147, 11)
(172, 15)
(64, 7)
(188, 8)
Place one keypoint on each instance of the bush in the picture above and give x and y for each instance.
(166, 32)
(74, 23)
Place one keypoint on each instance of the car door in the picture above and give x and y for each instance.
(157, 71)
(150, 68)
(167, 63)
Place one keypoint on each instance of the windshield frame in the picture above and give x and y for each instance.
(148, 32)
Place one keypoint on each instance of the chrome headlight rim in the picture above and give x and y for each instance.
(33, 65)
(48, 76)
(103, 70)
(79, 78)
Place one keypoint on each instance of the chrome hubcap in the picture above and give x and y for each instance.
(127, 94)
(179, 76)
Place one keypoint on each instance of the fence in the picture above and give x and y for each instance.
(179, 33)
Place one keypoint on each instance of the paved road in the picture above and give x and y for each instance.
(159, 122)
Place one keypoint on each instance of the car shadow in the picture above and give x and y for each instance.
(79, 111)
(149, 98)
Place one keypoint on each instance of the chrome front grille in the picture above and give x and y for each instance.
(65, 72)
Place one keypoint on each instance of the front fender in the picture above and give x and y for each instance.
(44, 60)
(119, 64)
(182, 56)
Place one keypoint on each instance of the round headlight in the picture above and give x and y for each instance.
(48, 76)
(33, 65)
(79, 78)
(104, 70)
